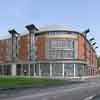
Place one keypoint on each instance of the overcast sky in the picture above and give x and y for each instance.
(77, 14)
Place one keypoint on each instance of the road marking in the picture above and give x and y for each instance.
(89, 98)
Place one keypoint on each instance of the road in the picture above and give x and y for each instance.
(78, 91)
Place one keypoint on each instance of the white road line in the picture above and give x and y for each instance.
(89, 98)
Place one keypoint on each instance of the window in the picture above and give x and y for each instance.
(69, 53)
(60, 54)
(57, 69)
(69, 44)
(60, 49)
(58, 33)
(68, 70)
(65, 44)
(52, 44)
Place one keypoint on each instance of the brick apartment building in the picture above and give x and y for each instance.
(52, 51)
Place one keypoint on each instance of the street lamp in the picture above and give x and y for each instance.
(14, 39)
(31, 28)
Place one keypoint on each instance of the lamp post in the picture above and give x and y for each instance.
(14, 36)
(31, 28)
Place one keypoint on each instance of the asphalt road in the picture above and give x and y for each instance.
(79, 91)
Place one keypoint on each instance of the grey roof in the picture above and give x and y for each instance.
(3, 37)
(55, 28)
(7, 36)
(43, 29)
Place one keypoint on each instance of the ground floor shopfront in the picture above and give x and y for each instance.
(48, 69)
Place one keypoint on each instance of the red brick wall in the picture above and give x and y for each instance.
(40, 47)
(23, 48)
(90, 55)
(41, 41)
(3, 53)
(86, 53)
(81, 47)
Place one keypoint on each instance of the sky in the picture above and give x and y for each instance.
(77, 14)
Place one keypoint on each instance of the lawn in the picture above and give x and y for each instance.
(15, 81)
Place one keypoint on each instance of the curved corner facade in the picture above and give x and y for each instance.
(54, 51)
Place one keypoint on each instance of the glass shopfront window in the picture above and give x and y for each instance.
(18, 69)
(57, 69)
(37, 69)
(5, 69)
(68, 70)
(45, 69)
(25, 69)
(80, 69)
(32, 69)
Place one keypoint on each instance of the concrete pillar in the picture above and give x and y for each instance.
(13, 69)
(63, 70)
(74, 71)
(50, 70)
(39, 70)
(34, 70)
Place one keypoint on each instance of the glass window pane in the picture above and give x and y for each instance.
(60, 49)
(45, 69)
(57, 69)
(37, 69)
(32, 69)
(69, 69)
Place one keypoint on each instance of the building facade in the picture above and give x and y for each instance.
(54, 51)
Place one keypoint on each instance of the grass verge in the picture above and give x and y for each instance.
(15, 81)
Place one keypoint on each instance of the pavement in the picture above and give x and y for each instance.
(84, 90)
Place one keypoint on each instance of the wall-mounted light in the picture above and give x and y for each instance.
(87, 31)
(91, 39)
(93, 43)
(96, 47)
